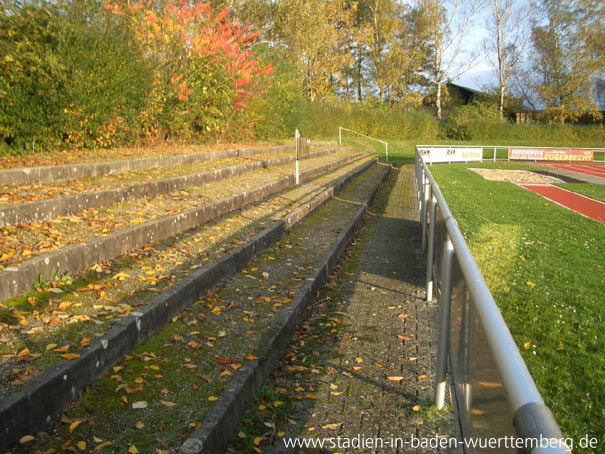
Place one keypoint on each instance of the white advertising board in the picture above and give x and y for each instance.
(450, 154)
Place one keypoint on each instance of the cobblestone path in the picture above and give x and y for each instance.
(362, 367)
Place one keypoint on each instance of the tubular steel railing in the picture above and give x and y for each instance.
(494, 395)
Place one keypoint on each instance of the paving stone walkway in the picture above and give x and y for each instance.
(372, 340)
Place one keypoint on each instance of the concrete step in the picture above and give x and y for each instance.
(90, 248)
(29, 407)
(42, 174)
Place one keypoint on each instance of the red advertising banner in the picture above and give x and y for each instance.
(550, 154)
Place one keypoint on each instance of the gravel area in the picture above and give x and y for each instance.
(515, 176)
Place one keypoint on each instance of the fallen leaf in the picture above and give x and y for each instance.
(358, 360)
(81, 445)
(526, 345)
(70, 356)
(332, 426)
(74, 425)
(26, 439)
(167, 404)
(251, 358)
(212, 398)
(395, 378)
(531, 284)
(50, 347)
(139, 405)
(416, 408)
(257, 441)
(63, 349)
(223, 361)
(103, 445)
(133, 450)
(139, 424)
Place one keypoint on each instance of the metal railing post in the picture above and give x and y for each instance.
(386, 148)
(297, 140)
(340, 135)
(444, 322)
(425, 202)
(430, 253)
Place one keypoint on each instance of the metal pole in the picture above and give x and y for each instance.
(425, 205)
(430, 256)
(494, 154)
(297, 140)
(340, 135)
(444, 322)
(386, 146)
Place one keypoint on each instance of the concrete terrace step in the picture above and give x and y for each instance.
(79, 256)
(28, 409)
(30, 175)
(51, 208)
(99, 299)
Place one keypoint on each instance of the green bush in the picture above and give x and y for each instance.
(376, 120)
(276, 109)
(480, 122)
(71, 76)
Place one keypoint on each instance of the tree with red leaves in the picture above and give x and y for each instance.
(205, 65)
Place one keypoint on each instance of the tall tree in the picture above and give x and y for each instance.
(315, 33)
(450, 21)
(396, 47)
(570, 51)
(509, 22)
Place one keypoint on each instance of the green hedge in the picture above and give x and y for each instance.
(71, 74)
(481, 122)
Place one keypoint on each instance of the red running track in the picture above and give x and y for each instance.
(588, 207)
(595, 170)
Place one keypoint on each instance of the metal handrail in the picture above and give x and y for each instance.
(386, 144)
(531, 418)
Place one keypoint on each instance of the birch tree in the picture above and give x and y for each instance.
(450, 21)
(509, 20)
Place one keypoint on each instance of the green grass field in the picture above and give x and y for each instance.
(545, 267)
